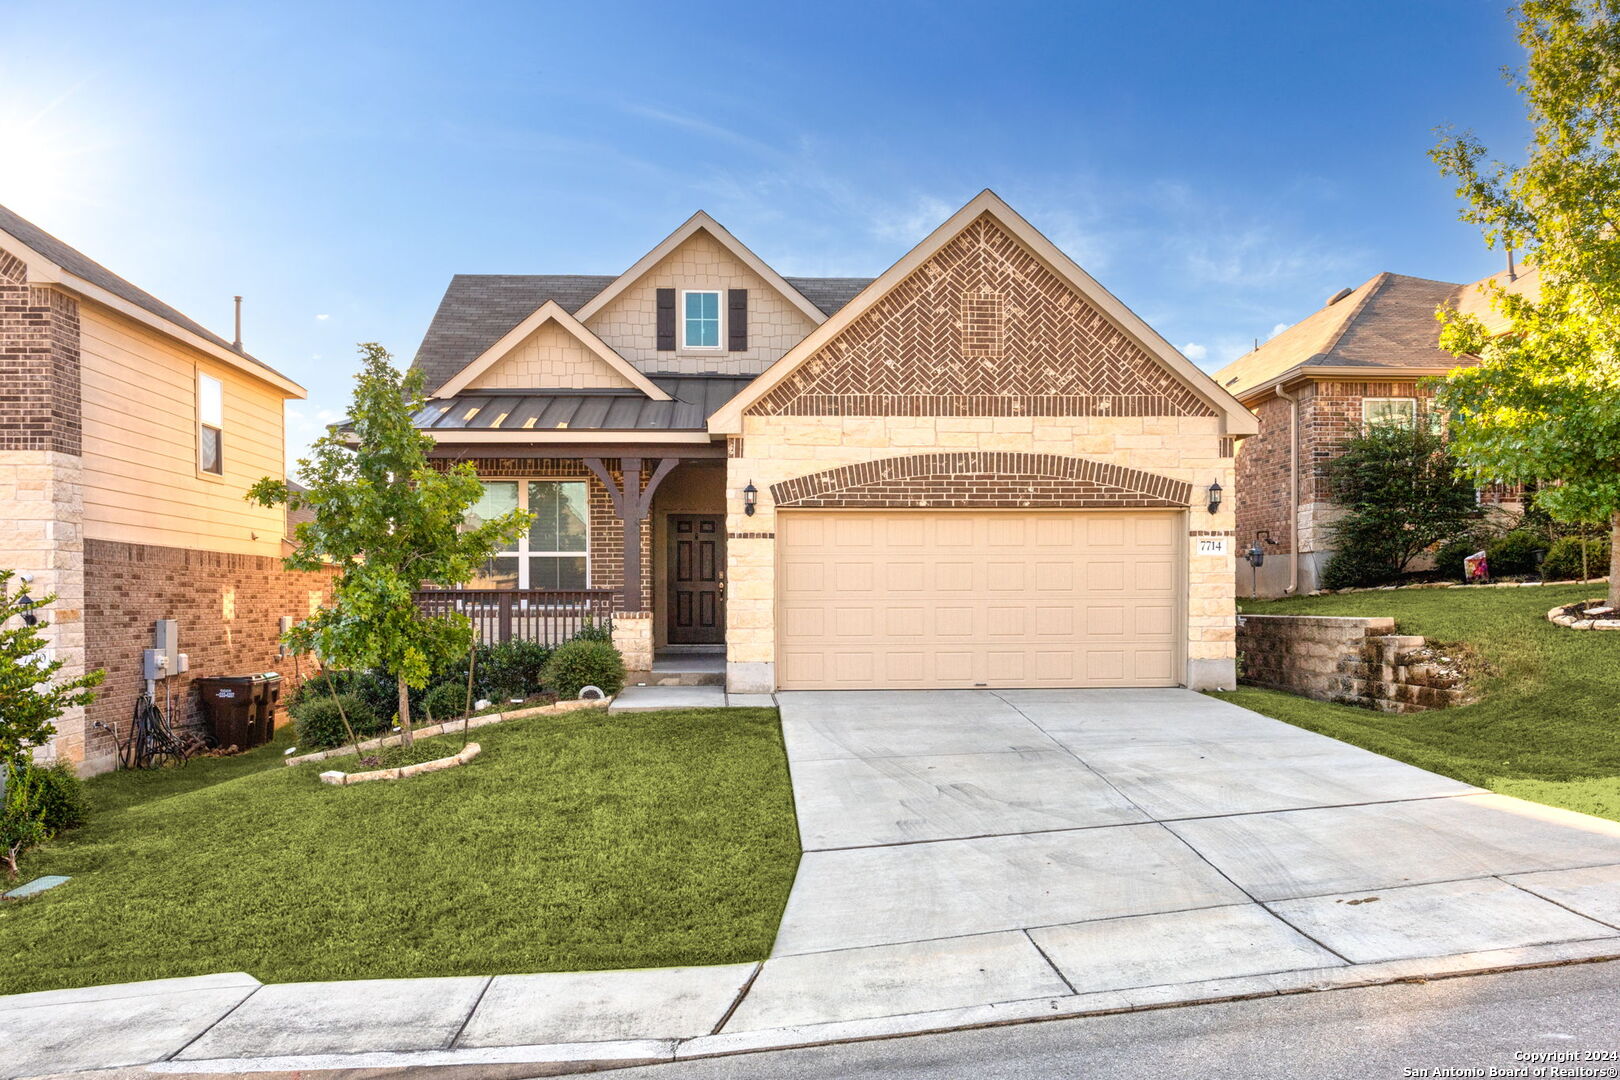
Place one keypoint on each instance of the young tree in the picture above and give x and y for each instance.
(388, 521)
(1543, 403)
(31, 697)
(1401, 493)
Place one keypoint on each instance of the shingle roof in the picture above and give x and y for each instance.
(694, 399)
(81, 265)
(479, 309)
(1386, 323)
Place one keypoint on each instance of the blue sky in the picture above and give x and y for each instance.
(1222, 168)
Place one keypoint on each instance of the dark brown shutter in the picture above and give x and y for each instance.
(737, 320)
(666, 320)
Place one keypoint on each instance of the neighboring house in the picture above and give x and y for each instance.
(128, 437)
(1361, 359)
(977, 470)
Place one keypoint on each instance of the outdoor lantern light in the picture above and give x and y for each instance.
(1214, 496)
(750, 497)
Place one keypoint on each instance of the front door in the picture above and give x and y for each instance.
(697, 579)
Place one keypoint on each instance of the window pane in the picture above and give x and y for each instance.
(210, 450)
(572, 515)
(210, 401)
(543, 500)
(557, 572)
(498, 573)
(500, 497)
(702, 320)
(1389, 410)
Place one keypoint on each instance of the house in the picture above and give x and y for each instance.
(128, 437)
(1362, 358)
(978, 469)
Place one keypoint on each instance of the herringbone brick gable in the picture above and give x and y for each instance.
(983, 328)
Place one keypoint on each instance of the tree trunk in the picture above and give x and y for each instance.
(1614, 560)
(404, 712)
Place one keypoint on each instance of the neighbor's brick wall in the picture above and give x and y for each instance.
(629, 322)
(1262, 480)
(39, 364)
(773, 450)
(229, 608)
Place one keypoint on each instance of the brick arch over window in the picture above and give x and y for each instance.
(981, 479)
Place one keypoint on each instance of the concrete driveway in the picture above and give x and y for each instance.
(981, 846)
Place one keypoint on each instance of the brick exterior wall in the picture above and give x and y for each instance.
(1262, 480)
(229, 608)
(963, 479)
(606, 539)
(39, 365)
(982, 328)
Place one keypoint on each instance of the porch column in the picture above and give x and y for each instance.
(632, 503)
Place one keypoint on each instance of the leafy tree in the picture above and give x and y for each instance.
(1543, 403)
(1401, 493)
(388, 521)
(31, 696)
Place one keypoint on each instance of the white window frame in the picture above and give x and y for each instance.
(522, 553)
(719, 318)
(1368, 421)
(209, 385)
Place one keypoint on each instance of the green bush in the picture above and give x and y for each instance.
(511, 669)
(1514, 552)
(446, 701)
(595, 631)
(22, 815)
(60, 795)
(318, 723)
(1563, 561)
(579, 664)
(1449, 556)
(377, 689)
(1359, 566)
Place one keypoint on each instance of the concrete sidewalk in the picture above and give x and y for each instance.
(972, 858)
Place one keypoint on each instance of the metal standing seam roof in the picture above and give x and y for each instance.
(479, 309)
(81, 265)
(694, 399)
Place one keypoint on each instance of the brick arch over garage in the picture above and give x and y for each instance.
(978, 479)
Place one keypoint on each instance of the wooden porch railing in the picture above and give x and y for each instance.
(546, 616)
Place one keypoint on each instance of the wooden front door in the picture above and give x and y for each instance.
(697, 579)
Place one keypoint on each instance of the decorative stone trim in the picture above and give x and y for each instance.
(1211, 532)
(1586, 615)
(978, 478)
(633, 637)
(734, 446)
(343, 779)
(750, 536)
(449, 727)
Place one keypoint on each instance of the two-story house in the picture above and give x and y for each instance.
(978, 469)
(129, 435)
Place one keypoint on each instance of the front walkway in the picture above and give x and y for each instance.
(972, 858)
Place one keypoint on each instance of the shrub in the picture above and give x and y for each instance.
(1449, 556)
(22, 816)
(376, 689)
(1514, 552)
(1359, 565)
(61, 795)
(1563, 560)
(579, 664)
(512, 668)
(595, 631)
(319, 724)
(445, 701)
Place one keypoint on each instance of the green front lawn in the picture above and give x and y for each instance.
(571, 843)
(1548, 727)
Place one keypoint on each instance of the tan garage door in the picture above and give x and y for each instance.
(920, 598)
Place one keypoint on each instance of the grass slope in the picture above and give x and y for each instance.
(1548, 727)
(576, 842)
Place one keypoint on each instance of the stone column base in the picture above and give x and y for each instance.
(633, 637)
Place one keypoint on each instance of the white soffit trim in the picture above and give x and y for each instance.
(1238, 420)
(41, 271)
(550, 311)
(702, 221)
(555, 436)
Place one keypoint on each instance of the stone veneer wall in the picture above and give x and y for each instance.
(775, 449)
(1350, 660)
(229, 608)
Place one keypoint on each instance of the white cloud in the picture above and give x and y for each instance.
(322, 318)
(1279, 328)
(1194, 351)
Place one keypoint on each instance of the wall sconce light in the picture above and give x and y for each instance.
(1214, 496)
(750, 498)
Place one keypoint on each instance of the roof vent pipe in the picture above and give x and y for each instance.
(237, 344)
(1336, 297)
(1513, 273)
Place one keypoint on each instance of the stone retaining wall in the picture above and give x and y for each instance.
(1353, 661)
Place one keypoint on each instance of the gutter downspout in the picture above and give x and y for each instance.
(1293, 489)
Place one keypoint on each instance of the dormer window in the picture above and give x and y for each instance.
(700, 319)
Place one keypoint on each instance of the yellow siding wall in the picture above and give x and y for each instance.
(141, 483)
